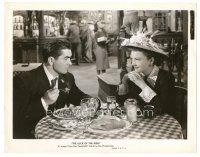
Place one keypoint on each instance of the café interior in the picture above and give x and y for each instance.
(32, 29)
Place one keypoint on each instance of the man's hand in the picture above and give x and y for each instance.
(51, 96)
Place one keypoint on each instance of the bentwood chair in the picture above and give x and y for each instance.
(181, 108)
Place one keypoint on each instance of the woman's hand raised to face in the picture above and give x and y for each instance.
(137, 79)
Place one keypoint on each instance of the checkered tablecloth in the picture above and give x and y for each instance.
(160, 127)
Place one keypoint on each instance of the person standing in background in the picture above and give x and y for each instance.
(100, 51)
(74, 38)
(92, 39)
(86, 42)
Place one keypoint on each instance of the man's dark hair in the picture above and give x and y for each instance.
(53, 49)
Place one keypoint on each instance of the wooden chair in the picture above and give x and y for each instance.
(108, 83)
(181, 108)
(15, 73)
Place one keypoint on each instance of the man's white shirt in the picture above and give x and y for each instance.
(50, 77)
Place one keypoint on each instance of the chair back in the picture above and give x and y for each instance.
(181, 107)
(15, 73)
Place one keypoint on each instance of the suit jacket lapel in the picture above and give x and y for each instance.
(44, 84)
(63, 82)
(60, 82)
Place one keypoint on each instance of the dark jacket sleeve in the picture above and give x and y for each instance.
(164, 88)
(164, 100)
(27, 107)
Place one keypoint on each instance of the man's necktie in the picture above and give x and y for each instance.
(53, 82)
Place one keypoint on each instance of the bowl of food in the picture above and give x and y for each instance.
(63, 113)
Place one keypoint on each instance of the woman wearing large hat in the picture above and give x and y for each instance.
(147, 83)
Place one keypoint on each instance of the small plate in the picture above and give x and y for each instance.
(127, 125)
(64, 124)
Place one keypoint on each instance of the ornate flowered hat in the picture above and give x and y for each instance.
(141, 41)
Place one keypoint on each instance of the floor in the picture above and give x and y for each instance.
(86, 76)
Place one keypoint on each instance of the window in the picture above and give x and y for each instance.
(18, 26)
(160, 21)
(50, 25)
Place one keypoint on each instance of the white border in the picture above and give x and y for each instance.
(132, 145)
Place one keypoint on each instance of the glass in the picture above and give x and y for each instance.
(78, 114)
(82, 115)
(131, 109)
(111, 101)
(85, 112)
(89, 106)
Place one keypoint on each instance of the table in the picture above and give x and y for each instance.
(160, 127)
(20, 67)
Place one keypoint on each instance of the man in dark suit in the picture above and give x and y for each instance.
(48, 87)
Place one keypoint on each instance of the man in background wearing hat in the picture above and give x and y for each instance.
(74, 38)
(148, 84)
